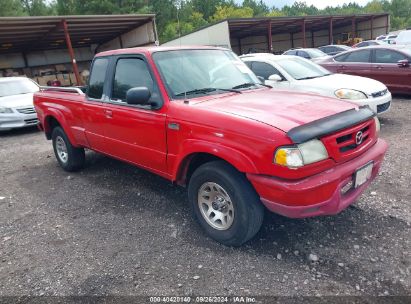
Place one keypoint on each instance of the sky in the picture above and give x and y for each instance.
(318, 3)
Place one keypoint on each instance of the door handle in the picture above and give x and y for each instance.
(109, 113)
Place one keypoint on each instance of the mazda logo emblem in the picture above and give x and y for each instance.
(358, 138)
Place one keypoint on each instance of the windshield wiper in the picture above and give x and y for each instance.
(206, 90)
(312, 77)
(309, 77)
(245, 85)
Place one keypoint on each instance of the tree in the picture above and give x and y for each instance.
(259, 8)
(11, 8)
(36, 7)
(65, 7)
(197, 20)
(375, 6)
(224, 12)
(275, 13)
(300, 9)
(207, 7)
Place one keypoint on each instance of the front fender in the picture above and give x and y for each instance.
(191, 147)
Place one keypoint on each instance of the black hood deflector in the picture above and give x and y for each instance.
(330, 124)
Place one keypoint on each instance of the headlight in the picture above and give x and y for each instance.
(303, 154)
(350, 94)
(5, 110)
(377, 124)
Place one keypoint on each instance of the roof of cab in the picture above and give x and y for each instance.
(154, 49)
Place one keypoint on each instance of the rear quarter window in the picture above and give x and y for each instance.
(97, 77)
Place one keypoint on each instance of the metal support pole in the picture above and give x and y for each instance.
(292, 40)
(71, 52)
(353, 29)
(303, 30)
(330, 32)
(239, 46)
(312, 39)
(372, 27)
(387, 28)
(26, 65)
(270, 38)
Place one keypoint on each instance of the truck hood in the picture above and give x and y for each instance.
(283, 110)
(17, 101)
(334, 82)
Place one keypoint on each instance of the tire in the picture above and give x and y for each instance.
(237, 212)
(69, 157)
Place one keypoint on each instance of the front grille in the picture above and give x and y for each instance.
(379, 93)
(31, 121)
(347, 142)
(343, 145)
(383, 107)
(26, 110)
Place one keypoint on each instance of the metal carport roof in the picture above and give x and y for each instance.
(243, 27)
(23, 34)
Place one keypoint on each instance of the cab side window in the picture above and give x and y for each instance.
(131, 73)
(97, 77)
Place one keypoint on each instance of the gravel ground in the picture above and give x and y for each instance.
(115, 229)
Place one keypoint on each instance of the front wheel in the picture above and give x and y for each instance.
(225, 204)
(69, 157)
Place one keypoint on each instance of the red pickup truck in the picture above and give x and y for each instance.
(199, 117)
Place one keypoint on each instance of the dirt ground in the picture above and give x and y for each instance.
(115, 229)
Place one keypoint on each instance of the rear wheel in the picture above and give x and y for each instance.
(69, 157)
(225, 204)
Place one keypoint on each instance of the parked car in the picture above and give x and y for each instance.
(299, 74)
(334, 49)
(404, 38)
(368, 43)
(310, 53)
(389, 39)
(388, 64)
(16, 103)
(239, 146)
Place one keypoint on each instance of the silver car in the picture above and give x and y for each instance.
(16, 103)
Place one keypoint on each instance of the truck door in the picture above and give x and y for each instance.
(93, 107)
(135, 133)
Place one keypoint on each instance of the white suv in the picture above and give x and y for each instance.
(404, 38)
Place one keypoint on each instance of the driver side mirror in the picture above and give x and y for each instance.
(138, 96)
(403, 63)
(275, 77)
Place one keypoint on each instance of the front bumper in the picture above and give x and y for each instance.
(17, 120)
(319, 194)
(378, 105)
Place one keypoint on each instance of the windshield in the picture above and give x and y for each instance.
(300, 69)
(17, 87)
(314, 53)
(203, 72)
